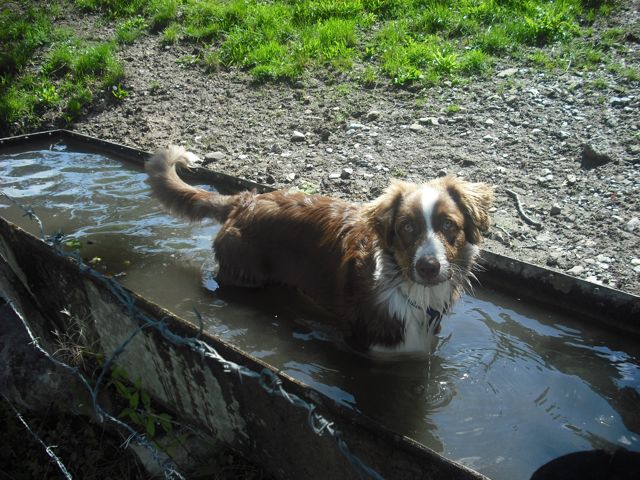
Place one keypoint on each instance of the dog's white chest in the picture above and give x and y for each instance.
(420, 309)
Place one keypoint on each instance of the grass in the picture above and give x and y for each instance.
(46, 69)
(405, 42)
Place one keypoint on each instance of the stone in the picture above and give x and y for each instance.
(275, 148)
(571, 179)
(324, 134)
(604, 259)
(346, 173)
(509, 72)
(297, 136)
(429, 121)
(555, 209)
(415, 127)
(334, 176)
(213, 157)
(633, 224)
(590, 158)
(291, 177)
(552, 260)
(620, 101)
(373, 115)
(577, 270)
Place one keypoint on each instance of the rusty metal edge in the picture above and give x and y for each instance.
(593, 303)
(589, 302)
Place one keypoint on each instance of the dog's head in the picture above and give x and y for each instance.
(432, 230)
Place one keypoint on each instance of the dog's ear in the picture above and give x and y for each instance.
(383, 210)
(474, 199)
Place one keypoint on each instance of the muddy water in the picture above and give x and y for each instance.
(509, 388)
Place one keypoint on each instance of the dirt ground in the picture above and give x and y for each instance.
(568, 149)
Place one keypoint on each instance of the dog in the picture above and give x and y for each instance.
(387, 270)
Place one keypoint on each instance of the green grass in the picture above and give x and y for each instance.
(44, 69)
(129, 30)
(405, 42)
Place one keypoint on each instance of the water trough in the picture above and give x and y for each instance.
(238, 411)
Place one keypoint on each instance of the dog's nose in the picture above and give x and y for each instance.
(428, 267)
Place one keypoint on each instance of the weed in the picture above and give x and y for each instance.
(139, 409)
(600, 84)
(630, 74)
(114, 8)
(542, 59)
(162, 13)
(171, 34)
(475, 62)
(368, 77)
(343, 90)
(308, 188)
(118, 92)
(453, 108)
(129, 30)
(188, 60)
(73, 345)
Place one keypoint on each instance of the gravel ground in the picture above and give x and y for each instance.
(564, 144)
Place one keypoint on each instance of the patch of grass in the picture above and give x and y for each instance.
(599, 84)
(368, 77)
(114, 8)
(162, 13)
(129, 30)
(45, 70)
(453, 108)
(21, 33)
(628, 73)
(171, 34)
(542, 59)
(407, 41)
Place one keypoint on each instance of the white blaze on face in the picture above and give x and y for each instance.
(432, 245)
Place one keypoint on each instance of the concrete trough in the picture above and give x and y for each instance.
(236, 411)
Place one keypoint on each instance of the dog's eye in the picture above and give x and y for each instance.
(407, 227)
(447, 225)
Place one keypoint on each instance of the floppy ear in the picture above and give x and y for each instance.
(381, 213)
(474, 199)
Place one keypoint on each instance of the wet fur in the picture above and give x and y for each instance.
(347, 257)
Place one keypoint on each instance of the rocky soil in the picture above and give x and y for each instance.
(567, 143)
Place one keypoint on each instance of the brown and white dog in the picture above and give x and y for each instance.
(388, 269)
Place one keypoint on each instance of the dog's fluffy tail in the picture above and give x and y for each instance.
(177, 196)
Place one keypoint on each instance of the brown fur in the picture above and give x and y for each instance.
(323, 246)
